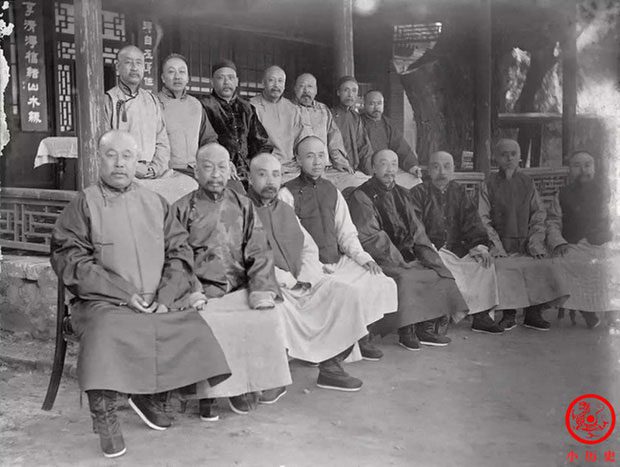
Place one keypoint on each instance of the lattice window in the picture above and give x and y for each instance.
(65, 100)
(64, 18)
(113, 26)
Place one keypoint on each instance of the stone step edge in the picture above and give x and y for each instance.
(69, 370)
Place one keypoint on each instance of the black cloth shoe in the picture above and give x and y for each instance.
(150, 409)
(271, 396)
(333, 376)
(408, 339)
(102, 406)
(592, 320)
(369, 351)
(482, 322)
(533, 319)
(509, 320)
(441, 325)
(240, 404)
(425, 331)
(207, 411)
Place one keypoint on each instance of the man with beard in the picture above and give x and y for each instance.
(318, 121)
(383, 134)
(280, 117)
(356, 143)
(579, 235)
(234, 266)
(324, 314)
(452, 223)
(124, 256)
(511, 211)
(234, 119)
(323, 212)
(130, 108)
(390, 231)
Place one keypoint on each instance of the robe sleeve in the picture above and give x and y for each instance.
(346, 232)
(311, 267)
(484, 209)
(554, 224)
(335, 143)
(374, 240)
(107, 112)
(258, 139)
(161, 158)
(365, 149)
(407, 157)
(178, 271)
(257, 255)
(536, 228)
(418, 199)
(285, 195)
(206, 134)
(73, 259)
(473, 230)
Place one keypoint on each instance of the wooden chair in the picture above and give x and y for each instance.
(64, 332)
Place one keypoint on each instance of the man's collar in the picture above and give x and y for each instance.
(221, 99)
(269, 101)
(170, 93)
(216, 197)
(502, 172)
(126, 89)
(105, 188)
(257, 198)
(380, 185)
(311, 106)
(307, 178)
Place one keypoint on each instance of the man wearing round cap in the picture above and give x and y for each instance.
(234, 119)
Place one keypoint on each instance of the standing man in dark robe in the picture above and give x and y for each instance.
(514, 216)
(324, 313)
(453, 225)
(383, 134)
(356, 143)
(234, 119)
(579, 235)
(234, 266)
(390, 231)
(121, 252)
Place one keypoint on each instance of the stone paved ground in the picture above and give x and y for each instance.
(483, 401)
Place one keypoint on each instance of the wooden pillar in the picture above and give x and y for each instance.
(569, 81)
(90, 89)
(343, 39)
(482, 117)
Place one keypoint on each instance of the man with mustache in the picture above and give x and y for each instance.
(578, 235)
(383, 134)
(356, 143)
(319, 121)
(280, 117)
(234, 266)
(390, 231)
(234, 119)
(514, 217)
(130, 108)
(124, 256)
(187, 124)
(454, 227)
(324, 314)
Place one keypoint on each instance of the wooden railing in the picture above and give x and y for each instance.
(27, 216)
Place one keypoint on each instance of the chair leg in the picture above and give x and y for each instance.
(60, 351)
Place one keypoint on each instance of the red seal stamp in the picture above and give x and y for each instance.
(590, 419)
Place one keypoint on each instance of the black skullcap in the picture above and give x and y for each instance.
(344, 79)
(225, 63)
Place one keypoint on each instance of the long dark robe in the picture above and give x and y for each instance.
(390, 231)
(450, 218)
(106, 246)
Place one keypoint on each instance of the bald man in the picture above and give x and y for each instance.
(234, 266)
(454, 227)
(324, 314)
(318, 120)
(130, 108)
(124, 290)
(514, 217)
(280, 117)
(390, 231)
(579, 235)
(323, 212)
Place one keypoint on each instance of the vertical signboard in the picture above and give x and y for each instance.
(147, 42)
(31, 65)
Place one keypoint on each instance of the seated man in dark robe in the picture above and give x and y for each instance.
(234, 265)
(323, 212)
(125, 294)
(452, 223)
(324, 314)
(391, 232)
(579, 235)
(514, 216)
